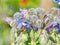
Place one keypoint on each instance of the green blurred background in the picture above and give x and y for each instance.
(8, 8)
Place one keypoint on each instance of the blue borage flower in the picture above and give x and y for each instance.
(25, 22)
(54, 25)
(57, 26)
(56, 1)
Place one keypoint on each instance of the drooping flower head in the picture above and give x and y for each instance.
(50, 16)
(39, 23)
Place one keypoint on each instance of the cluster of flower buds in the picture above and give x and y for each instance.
(36, 18)
(29, 18)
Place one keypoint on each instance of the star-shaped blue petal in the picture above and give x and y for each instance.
(19, 20)
(19, 25)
